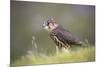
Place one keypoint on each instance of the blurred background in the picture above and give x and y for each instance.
(27, 19)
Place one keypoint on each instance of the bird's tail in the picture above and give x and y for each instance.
(85, 43)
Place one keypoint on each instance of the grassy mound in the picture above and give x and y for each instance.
(79, 55)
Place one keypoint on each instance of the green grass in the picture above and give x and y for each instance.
(79, 55)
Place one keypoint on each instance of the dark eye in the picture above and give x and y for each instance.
(48, 22)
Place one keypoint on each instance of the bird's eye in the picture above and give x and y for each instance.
(48, 24)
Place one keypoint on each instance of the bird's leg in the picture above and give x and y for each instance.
(58, 44)
(58, 48)
(66, 48)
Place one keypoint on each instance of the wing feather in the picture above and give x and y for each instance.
(65, 36)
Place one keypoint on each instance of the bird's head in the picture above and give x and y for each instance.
(50, 24)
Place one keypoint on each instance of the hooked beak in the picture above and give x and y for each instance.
(44, 26)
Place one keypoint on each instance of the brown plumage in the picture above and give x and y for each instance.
(64, 38)
(61, 36)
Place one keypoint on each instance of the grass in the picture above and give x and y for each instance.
(79, 55)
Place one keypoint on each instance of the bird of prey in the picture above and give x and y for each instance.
(62, 37)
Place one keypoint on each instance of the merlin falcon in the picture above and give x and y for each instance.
(62, 37)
